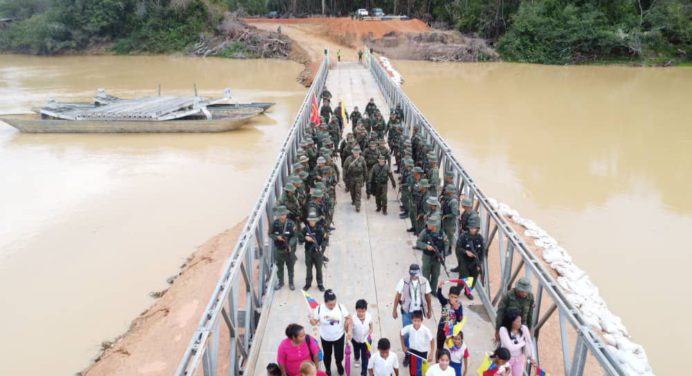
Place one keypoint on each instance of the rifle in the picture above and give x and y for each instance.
(439, 255)
(318, 246)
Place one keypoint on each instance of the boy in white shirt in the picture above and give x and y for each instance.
(383, 362)
(421, 342)
(362, 329)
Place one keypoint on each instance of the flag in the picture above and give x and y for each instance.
(347, 362)
(485, 365)
(418, 366)
(368, 345)
(467, 282)
(312, 303)
(457, 328)
(314, 111)
(344, 119)
(540, 372)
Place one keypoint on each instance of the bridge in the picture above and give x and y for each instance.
(245, 318)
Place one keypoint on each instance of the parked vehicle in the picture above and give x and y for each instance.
(273, 14)
(377, 12)
(361, 13)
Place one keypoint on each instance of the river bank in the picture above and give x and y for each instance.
(157, 338)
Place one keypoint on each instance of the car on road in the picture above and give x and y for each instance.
(273, 14)
(377, 12)
(360, 13)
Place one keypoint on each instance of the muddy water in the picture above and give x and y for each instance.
(598, 156)
(90, 224)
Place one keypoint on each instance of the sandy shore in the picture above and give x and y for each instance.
(158, 337)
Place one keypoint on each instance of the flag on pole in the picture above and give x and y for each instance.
(540, 372)
(418, 365)
(344, 119)
(368, 345)
(467, 282)
(314, 111)
(347, 362)
(312, 303)
(485, 365)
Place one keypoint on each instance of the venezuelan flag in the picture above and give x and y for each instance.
(312, 303)
(486, 365)
(467, 282)
(344, 118)
(418, 366)
(368, 345)
(540, 372)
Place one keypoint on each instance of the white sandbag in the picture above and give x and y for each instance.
(555, 254)
(609, 339)
(493, 203)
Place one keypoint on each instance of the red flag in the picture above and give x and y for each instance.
(314, 111)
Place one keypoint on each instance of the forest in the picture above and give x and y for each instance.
(537, 31)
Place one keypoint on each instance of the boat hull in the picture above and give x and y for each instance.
(29, 125)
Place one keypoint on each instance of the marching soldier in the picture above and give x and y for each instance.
(467, 205)
(315, 239)
(356, 171)
(421, 203)
(284, 234)
(470, 250)
(378, 183)
(450, 214)
(521, 299)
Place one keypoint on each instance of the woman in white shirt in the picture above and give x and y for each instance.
(335, 323)
(516, 338)
(442, 368)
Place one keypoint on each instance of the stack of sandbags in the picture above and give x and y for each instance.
(395, 76)
(583, 295)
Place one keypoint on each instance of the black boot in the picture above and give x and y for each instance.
(279, 286)
(384, 210)
(411, 229)
(291, 286)
(378, 209)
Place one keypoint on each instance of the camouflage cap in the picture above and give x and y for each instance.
(450, 188)
(417, 170)
(433, 220)
(303, 159)
(356, 149)
(432, 158)
(380, 157)
(316, 193)
(281, 210)
(474, 222)
(319, 185)
(321, 160)
(298, 166)
(312, 216)
(423, 183)
(408, 162)
(449, 174)
(296, 180)
(327, 153)
(303, 175)
(432, 201)
(289, 188)
(372, 143)
(308, 141)
(467, 202)
(523, 284)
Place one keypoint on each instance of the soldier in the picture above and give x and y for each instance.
(415, 178)
(284, 234)
(378, 183)
(447, 180)
(289, 200)
(422, 198)
(433, 174)
(300, 193)
(345, 147)
(356, 171)
(316, 173)
(394, 132)
(450, 214)
(370, 156)
(384, 151)
(470, 250)
(355, 116)
(467, 205)
(406, 174)
(335, 131)
(337, 115)
(371, 107)
(311, 153)
(361, 135)
(520, 298)
(432, 242)
(326, 110)
(378, 125)
(326, 94)
(315, 239)
(432, 208)
(399, 112)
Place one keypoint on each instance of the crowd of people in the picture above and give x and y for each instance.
(444, 226)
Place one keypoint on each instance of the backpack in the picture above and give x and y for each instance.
(320, 355)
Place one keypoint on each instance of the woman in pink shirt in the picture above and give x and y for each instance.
(516, 338)
(294, 350)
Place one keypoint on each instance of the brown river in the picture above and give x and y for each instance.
(598, 156)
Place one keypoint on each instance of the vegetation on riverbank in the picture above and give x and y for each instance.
(538, 31)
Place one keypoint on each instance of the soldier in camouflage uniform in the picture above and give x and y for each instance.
(371, 107)
(383, 150)
(394, 134)
(433, 174)
(361, 135)
(345, 147)
(432, 242)
(450, 214)
(284, 234)
(447, 180)
(326, 110)
(414, 195)
(421, 203)
(316, 173)
(355, 116)
(356, 171)
(470, 251)
(399, 112)
(406, 174)
(378, 125)
(370, 155)
(378, 183)
(335, 131)
(326, 94)
(432, 208)
(330, 183)
(467, 205)
(521, 299)
(316, 240)
(290, 202)
(337, 115)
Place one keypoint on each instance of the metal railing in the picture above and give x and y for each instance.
(514, 255)
(241, 318)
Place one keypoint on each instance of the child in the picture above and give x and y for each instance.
(383, 362)
(500, 365)
(420, 339)
(442, 368)
(452, 312)
(458, 352)
(362, 329)
(273, 369)
(309, 369)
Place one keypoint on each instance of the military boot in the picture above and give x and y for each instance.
(384, 210)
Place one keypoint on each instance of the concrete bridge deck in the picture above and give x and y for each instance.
(369, 252)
